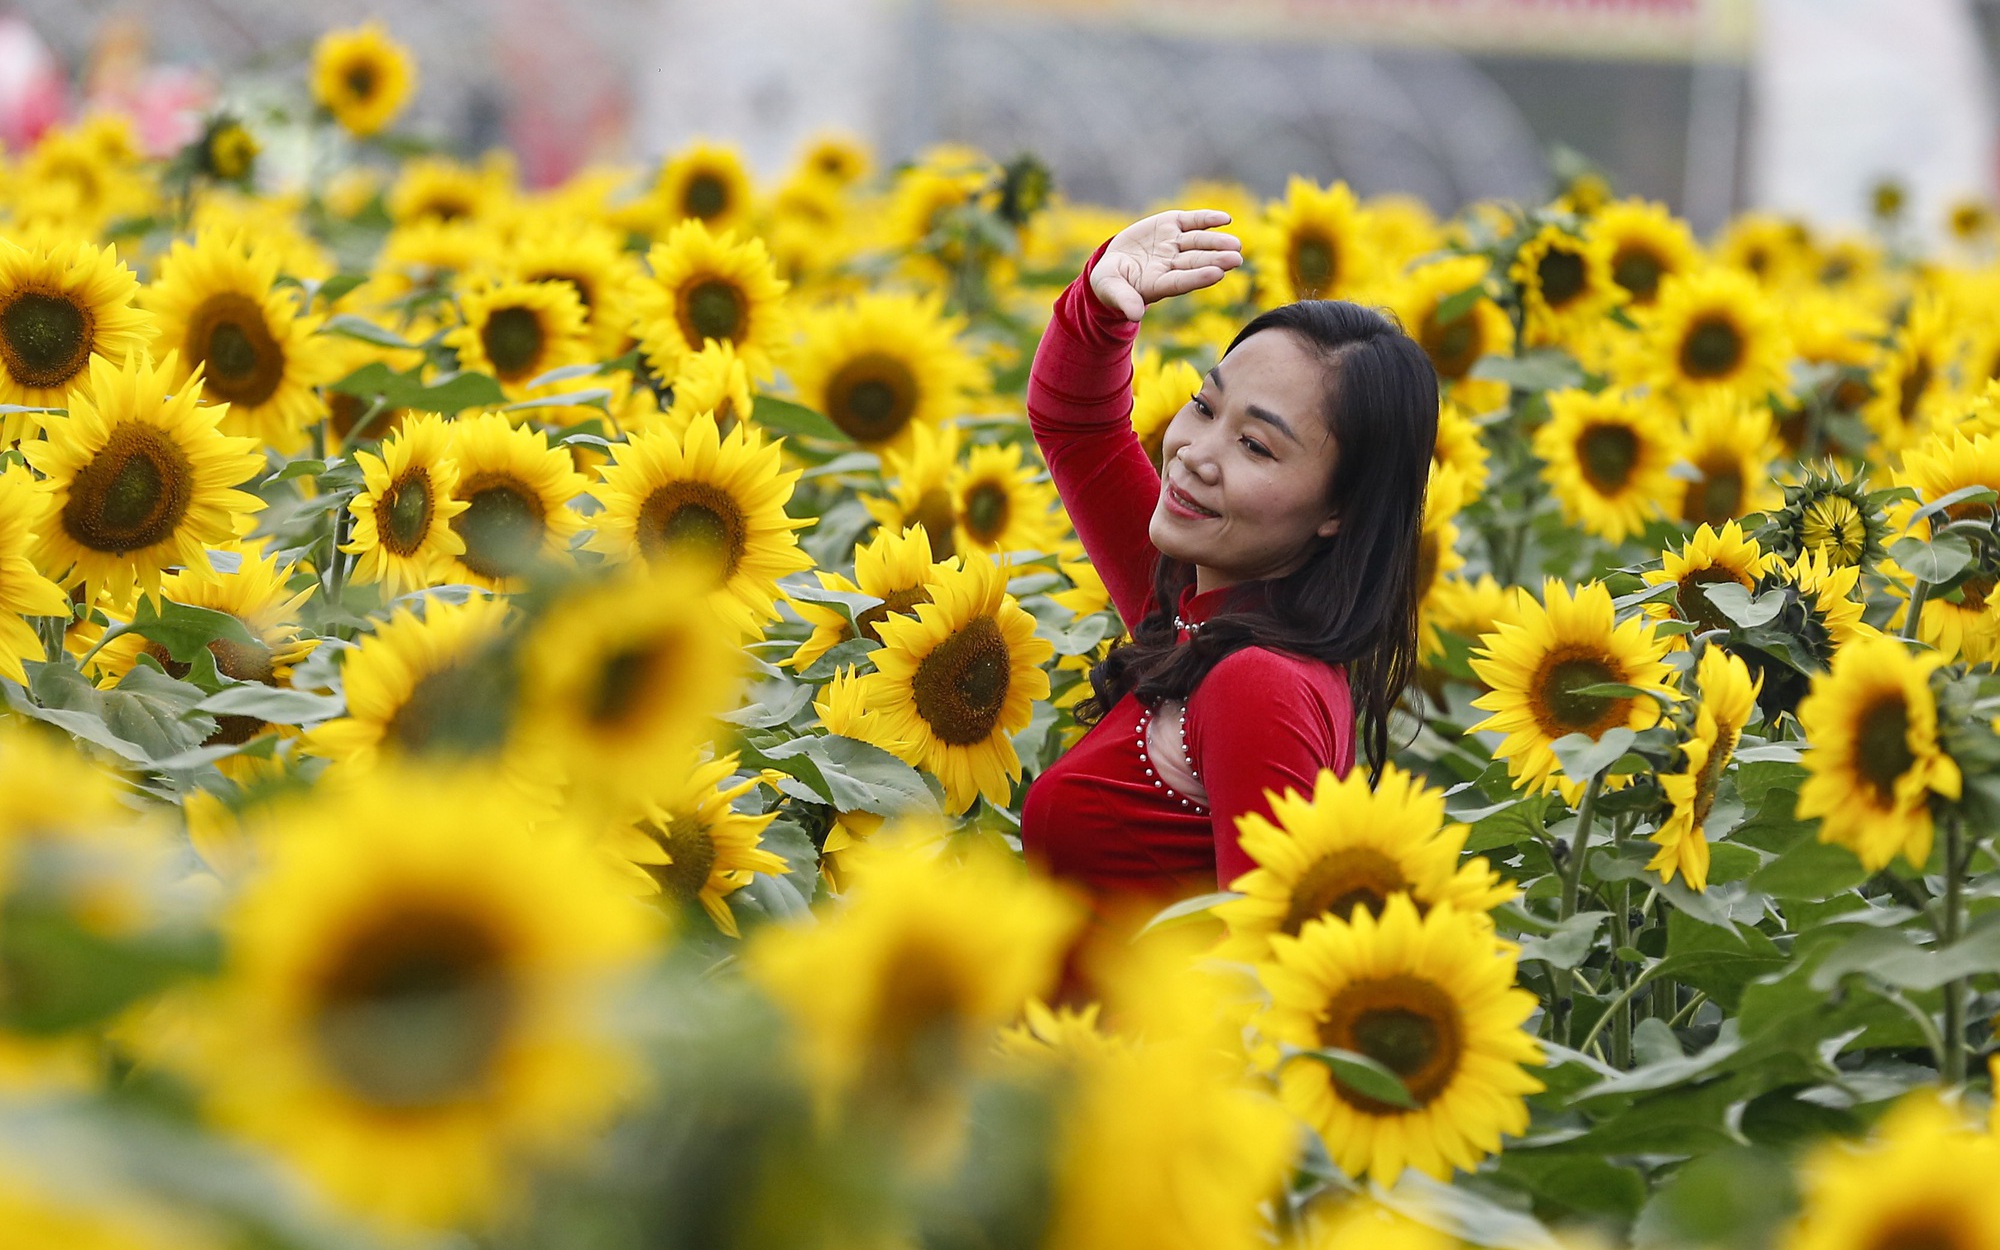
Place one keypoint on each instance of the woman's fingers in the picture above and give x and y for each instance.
(1181, 281)
(1199, 260)
(1200, 218)
(1209, 241)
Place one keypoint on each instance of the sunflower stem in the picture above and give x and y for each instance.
(1918, 594)
(1611, 1014)
(1952, 1067)
(1573, 870)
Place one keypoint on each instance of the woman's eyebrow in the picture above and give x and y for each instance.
(1257, 411)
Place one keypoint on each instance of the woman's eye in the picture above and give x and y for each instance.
(1200, 405)
(1256, 448)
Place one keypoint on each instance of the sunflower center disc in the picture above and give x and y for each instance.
(228, 333)
(360, 80)
(1607, 455)
(940, 521)
(1638, 270)
(872, 397)
(1453, 346)
(503, 526)
(961, 686)
(693, 521)
(1717, 497)
(575, 282)
(1339, 882)
(403, 513)
(414, 1009)
(1404, 1023)
(986, 510)
(1712, 349)
(1710, 776)
(45, 338)
(898, 602)
(513, 341)
(712, 309)
(460, 709)
(1910, 393)
(1561, 276)
(1427, 562)
(692, 851)
(1568, 711)
(627, 683)
(707, 197)
(915, 1046)
(132, 494)
(1315, 265)
(1882, 746)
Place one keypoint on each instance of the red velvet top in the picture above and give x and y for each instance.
(1261, 720)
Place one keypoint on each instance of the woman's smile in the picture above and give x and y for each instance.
(1182, 505)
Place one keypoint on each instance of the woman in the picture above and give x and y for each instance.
(1267, 568)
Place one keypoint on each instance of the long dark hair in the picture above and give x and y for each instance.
(1354, 600)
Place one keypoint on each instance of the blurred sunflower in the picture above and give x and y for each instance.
(1924, 1176)
(1714, 331)
(712, 380)
(518, 331)
(1648, 246)
(63, 304)
(1308, 244)
(1160, 388)
(414, 996)
(1727, 700)
(882, 363)
(705, 182)
(141, 479)
(1565, 284)
(1351, 846)
(517, 491)
(1606, 457)
(709, 501)
(843, 709)
(960, 680)
(439, 191)
(1777, 251)
(706, 286)
(1460, 341)
(1003, 505)
(1437, 551)
(1432, 998)
(362, 77)
(1460, 446)
(1873, 759)
(1730, 447)
(403, 514)
(591, 261)
(1536, 665)
(23, 590)
(895, 568)
(1710, 557)
(920, 488)
(1911, 383)
(690, 847)
(216, 303)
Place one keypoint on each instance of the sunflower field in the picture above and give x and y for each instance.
(517, 704)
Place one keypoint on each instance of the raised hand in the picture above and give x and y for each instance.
(1169, 253)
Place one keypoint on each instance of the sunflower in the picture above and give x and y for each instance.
(1459, 446)
(1565, 284)
(1714, 331)
(1833, 614)
(1432, 998)
(141, 479)
(438, 191)
(838, 158)
(1606, 457)
(1730, 447)
(1535, 664)
(1960, 621)
(922, 202)
(706, 286)
(419, 686)
(591, 261)
(710, 500)
(1727, 699)
(882, 363)
(1874, 759)
(362, 77)
(843, 709)
(712, 380)
(63, 305)
(1003, 505)
(690, 846)
(960, 680)
(1924, 1178)
(517, 491)
(414, 996)
(403, 515)
(920, 488)
(1308, 245)
(1708, 558)
(1349, 846)
(518, 331)
(80, 180)
(895, 568)
(217, 304)
(620, 675)
(1648, 246)
(23, 589)
(1829, 515)
(1777, 251)
(1455, 345)
(1437, 551)
(705, 182)
(1160, 388)
(1911, 383)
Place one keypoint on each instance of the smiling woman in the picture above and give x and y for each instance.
(1267, 565)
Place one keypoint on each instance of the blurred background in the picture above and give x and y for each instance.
(1712, 106)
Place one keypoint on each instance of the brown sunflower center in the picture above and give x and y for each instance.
(692, 852)
(1607, 452)
(934, 511)
(1340, 881)
(45, 337)
(1427, 562)
(574, 281)
(1712, 347)
(1454, 346)
(1560, 273)
(961, 686)
(1556, 695)
(457, 709)
(228, 334)
(1718, 496)
(919, 1032)
(1710, 776)
(404, 511)
(1407, 1025)
(697, 522)
(706, 197)
(1930, 1228)
(361, 80)
(503, 525)
(132, 494)
(1915, 383)
(897, 602)
(414, 1008)
(712, 308)
(345, 412)
(1315, 264)
(513, 339)
(630, 682)
(987, 509)
(1638, 269)
(1882, 747)
(872, 397)
(1694, 603)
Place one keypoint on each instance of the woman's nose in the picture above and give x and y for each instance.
(1196, 462)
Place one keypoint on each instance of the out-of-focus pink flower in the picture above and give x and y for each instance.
(34, 91)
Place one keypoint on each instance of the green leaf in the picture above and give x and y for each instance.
(156, 712)
(1811, 869)
(1935, 560)
(1583, 757)
(1357, 1072)
(447, 393)
(1963, 495)
(1715, 959)
(782, 417)
(1188, 909)
(1546, 369)
(1744, 612)
(184, 629)
(1889, 955)
(1458, 304)
(353, 327)
(61, 975)
(1571, 942)
(275, 704)
(65, 698)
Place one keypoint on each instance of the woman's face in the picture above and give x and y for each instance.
(1245, 466)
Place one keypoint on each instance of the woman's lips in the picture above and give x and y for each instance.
(1182, 505)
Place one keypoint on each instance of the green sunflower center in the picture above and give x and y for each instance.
(872, 397)
(513, 339)
(414, 1008)
(228, 334)
(707, 197)
(713, 308)
(1315, 264)
(1607, 453)
(503, 525)
(460, 709)
(694, 521)
(961, 686)
(692, 852)
(1556, 694)
(1560, 273)
(1638, 269)
(1340, 881)
(1404, 1023)
(403, 512)
(45, 337)
(987, 509)
(1882, 747)
(132, 494)
(1834, 525)
(1712, 348)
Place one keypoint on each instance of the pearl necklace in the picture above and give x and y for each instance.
(1192, 627)
(1145, 761)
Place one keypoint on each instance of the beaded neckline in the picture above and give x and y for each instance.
(1152, 774)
